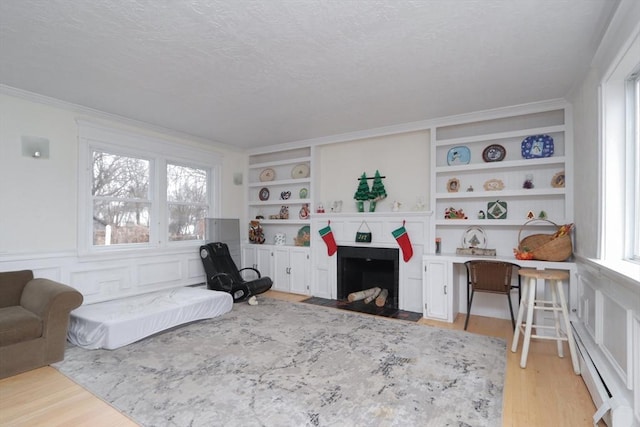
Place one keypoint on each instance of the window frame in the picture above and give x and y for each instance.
(633, 151)
(160, 152)
(619, 165)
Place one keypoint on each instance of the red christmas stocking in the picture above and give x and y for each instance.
(402, 237)
(327, 236)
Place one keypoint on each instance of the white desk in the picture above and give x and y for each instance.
(444, 282)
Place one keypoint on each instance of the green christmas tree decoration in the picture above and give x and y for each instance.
(362, 193)
(377, 192)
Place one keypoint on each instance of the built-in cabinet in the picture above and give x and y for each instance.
(259, 257)
(291, 270)
(482, 161)
(438, 290)
(288, 266)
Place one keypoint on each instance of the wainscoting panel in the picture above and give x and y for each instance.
(195, 270)
(606, 328)
(102, 278)
(159, 271)
(100, 281)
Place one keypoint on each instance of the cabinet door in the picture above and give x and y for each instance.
(436, 281)
(299, 271)
(411, 298)
(281, 269)
(248, 257)
(264, 261)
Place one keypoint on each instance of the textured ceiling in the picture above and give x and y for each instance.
(254, 73)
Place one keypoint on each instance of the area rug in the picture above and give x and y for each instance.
(293, 364)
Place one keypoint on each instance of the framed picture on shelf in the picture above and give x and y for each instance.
(497, 210)
(453, 185)
(558, 180)
(494, 185)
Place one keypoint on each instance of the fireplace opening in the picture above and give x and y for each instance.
(362, 268)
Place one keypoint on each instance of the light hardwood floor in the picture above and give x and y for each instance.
(546, 393)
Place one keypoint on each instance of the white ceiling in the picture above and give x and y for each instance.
(255, 73)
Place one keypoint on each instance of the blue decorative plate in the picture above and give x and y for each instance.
(537, 146)
(459, 156)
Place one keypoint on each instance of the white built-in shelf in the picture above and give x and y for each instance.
(507, 164)
(493, 223)
(280, 202)
(280, 163)
(501, 135)
(284, 221)
(280, 182)
(521, 193)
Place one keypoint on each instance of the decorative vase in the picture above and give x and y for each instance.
(372, 206)
(360, 205)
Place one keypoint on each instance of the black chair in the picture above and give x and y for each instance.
(223, 275)
(493, 277)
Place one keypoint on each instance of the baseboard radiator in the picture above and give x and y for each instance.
(612, 399)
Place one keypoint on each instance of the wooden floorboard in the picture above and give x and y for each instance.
(546, 393)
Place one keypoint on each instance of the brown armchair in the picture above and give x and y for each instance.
(34, 316)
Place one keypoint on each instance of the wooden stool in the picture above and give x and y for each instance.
(529, 304)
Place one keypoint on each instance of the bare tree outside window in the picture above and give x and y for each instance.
(186, 202)
(121, 202)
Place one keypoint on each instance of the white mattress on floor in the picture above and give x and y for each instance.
(113, 324)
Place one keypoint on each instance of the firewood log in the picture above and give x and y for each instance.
(370, 298)
(357, 296)
(382, 298)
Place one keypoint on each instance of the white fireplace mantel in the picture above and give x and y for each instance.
(344, 227)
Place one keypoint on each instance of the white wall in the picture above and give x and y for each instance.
(608, 301)
(38, 197)
(586, 129)
(403, 158)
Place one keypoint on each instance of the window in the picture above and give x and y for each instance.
(186, 202)
(143, 193)
(121, 202)
(620, 149)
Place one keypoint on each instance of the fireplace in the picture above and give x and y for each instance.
(361, 268)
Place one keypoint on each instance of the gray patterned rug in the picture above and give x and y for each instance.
(293, 364)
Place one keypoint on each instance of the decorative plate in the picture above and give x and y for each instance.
(303, 193)
(300, 171)
(264, 194)
(474, 237)
(267, 174)
(460, 155)
(304, 236)
(537, 146)
(494, 153)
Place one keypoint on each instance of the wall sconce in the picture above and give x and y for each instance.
(237, 178)
(35, 146)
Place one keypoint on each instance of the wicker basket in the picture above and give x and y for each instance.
(545, 247)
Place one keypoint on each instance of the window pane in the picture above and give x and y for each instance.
(120, 176)
(635, 176)
(185, 184)
(116, 223)
(187, 202)
(186, 222)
